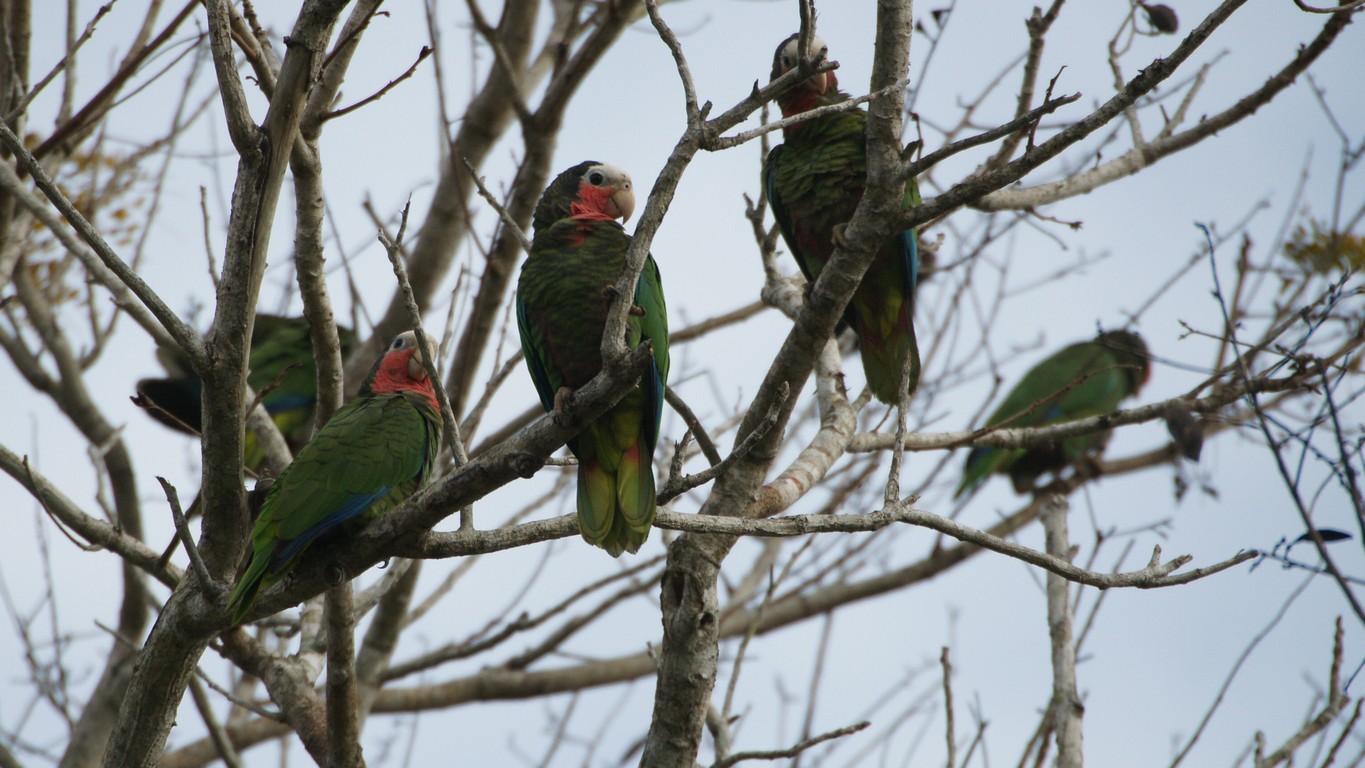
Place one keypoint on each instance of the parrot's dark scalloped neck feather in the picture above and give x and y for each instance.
(777, 70)
(555, 203)
(1132, 352)
(367, 386)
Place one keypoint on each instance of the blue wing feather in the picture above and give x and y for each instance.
(279, 403)
(534, 363)
(286, 550)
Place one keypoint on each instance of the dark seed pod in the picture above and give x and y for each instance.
(1185, 430)
(1162, 18)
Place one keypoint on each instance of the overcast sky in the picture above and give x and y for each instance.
(1158, 657)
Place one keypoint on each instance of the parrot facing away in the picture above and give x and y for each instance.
(279, 345)
(563, 295)
(1085, 379)
(375, 451)
(814, 182)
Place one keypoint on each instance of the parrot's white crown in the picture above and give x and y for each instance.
(606, 173)
(791, 50)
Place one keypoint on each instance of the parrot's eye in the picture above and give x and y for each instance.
(596, 178)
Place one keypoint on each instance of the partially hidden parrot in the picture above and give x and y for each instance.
(814, 182)
(280, 348)
(1085, 379)
(375, 451)
(563, 295)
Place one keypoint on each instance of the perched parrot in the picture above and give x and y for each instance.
(374, 452)
(279, 345)
(563, 294)
(814, 182)
(1085, 379)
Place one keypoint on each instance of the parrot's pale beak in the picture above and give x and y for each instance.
(819, 83)
(621, 204)
(417, 368)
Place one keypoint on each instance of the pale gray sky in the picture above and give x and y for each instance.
(1158, 657)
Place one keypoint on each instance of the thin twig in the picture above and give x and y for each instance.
(726, 142)
(792, 751)
(343, 696)
(60, 65)
(507, 220)
(182, 529)
(694, 425)
(452, 428)
(687, 483)
(948, 706)
(379, 94)
(226, 752)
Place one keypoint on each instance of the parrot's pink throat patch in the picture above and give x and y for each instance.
(591, 203)
(807, 96)
(393, 378)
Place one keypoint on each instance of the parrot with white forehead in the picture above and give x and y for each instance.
(1088, 378)
(814, 182)
(374, 453)
(563, 294)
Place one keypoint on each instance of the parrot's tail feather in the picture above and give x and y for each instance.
(974, 471)
(636, 497)
(984, 462)
(884, 354)
(596, 505)
(245, 593)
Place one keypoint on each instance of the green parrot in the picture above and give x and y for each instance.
(375, 451)
(563, 294)
(1085, 379)
(279, 345)
(814, 183)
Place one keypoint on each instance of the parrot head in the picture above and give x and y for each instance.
(402, 368)
(592, 189)
(787, 57)
(1131, 351)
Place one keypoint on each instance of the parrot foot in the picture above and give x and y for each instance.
(1088, 468)
(335, 575)
(562, 397)
(837, 236)
(525, 464)
(609, 292)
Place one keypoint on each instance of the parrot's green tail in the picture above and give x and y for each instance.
(883, 355)
(615, 503)
(245, 593)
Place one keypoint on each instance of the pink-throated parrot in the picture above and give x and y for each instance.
(1088, 378)
(280, 348)
(373, 453)
(814, 182)
(563, 294)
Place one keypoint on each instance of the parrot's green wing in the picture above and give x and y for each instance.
(543, 372)
(373, 453)
(652, 327)
(561, 313)
(779, 207)
(814, 183)
(1081, 380)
